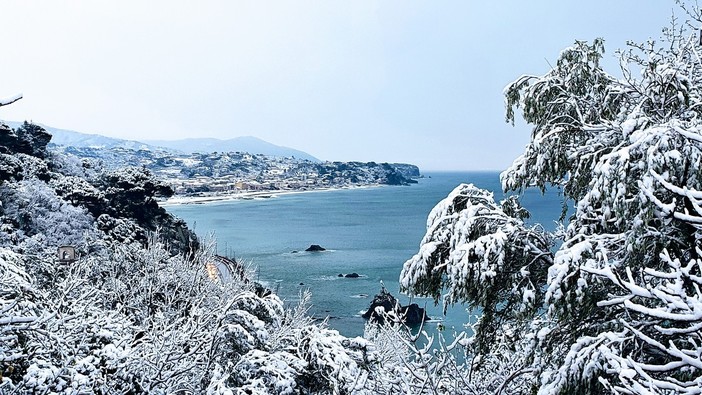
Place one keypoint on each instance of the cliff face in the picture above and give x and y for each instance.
(123, 195)
(407, 170)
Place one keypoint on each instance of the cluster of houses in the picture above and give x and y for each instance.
(241, 172)
(234, 172)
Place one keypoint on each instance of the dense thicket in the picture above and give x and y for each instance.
(142, 309)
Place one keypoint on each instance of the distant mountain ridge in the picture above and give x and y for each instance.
(250, 144)
(77, 139)
(247, 144)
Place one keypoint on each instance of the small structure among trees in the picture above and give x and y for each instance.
(66, 254)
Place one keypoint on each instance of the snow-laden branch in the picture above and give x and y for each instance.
(9, 100)
(481, 253)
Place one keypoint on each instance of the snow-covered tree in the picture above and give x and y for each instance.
(134, 314)
(620, 305)
(483, 254)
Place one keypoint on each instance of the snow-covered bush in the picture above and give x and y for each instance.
(130, 319)
(298, 356)
(41, 213)
(409, 363)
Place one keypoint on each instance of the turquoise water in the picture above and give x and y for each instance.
(370, 231)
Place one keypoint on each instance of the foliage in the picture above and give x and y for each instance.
(618, 307)
(29, 139)
(131, 315)
(436, 364)
(483, 254)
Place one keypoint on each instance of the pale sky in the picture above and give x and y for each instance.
(389, 81)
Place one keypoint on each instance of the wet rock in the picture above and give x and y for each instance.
(411, 315)
(315, 247)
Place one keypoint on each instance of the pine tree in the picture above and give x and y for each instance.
(618, 306)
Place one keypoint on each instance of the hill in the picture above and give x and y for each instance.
(248, 144)
(76, 139)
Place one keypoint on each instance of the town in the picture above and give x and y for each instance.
(232, 173)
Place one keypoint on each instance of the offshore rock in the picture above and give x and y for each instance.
(315, 247)
(411, 315)
(352, 275)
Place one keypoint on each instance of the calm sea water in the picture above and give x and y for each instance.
(370, 231)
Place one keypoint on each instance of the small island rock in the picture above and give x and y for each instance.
(352, 275)
(412, 315)
(315, 247)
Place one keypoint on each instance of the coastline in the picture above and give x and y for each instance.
(218, 197)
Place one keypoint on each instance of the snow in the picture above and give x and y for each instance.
(11, 99)
(616, 304)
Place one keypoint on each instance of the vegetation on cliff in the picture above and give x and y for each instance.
(142, 309)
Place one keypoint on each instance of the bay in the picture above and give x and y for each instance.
(369, 231)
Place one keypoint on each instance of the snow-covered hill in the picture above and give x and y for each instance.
(77, 139)
(248, 144)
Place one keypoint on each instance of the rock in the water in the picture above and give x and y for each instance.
(411, 315)
(352, 275)
(315, 247)
(384, 300)
(414, 315)
(340, 275)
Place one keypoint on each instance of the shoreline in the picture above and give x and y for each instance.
(218, 197)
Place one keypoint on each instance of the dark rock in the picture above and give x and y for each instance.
(384, 300)
(260, 290)
(315, 247)
(302, 283)
(340, 275)
(294, 252)
(411, 315)
(352, 275)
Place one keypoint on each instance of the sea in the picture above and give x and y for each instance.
(369, 231)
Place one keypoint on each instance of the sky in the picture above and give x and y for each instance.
(389, 81)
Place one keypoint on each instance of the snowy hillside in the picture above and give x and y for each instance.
(248, 144)
(75, 139)
(140, 307)
(252, 145)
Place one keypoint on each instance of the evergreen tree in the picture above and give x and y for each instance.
(618, 306)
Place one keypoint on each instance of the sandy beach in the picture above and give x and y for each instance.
(215, 197)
